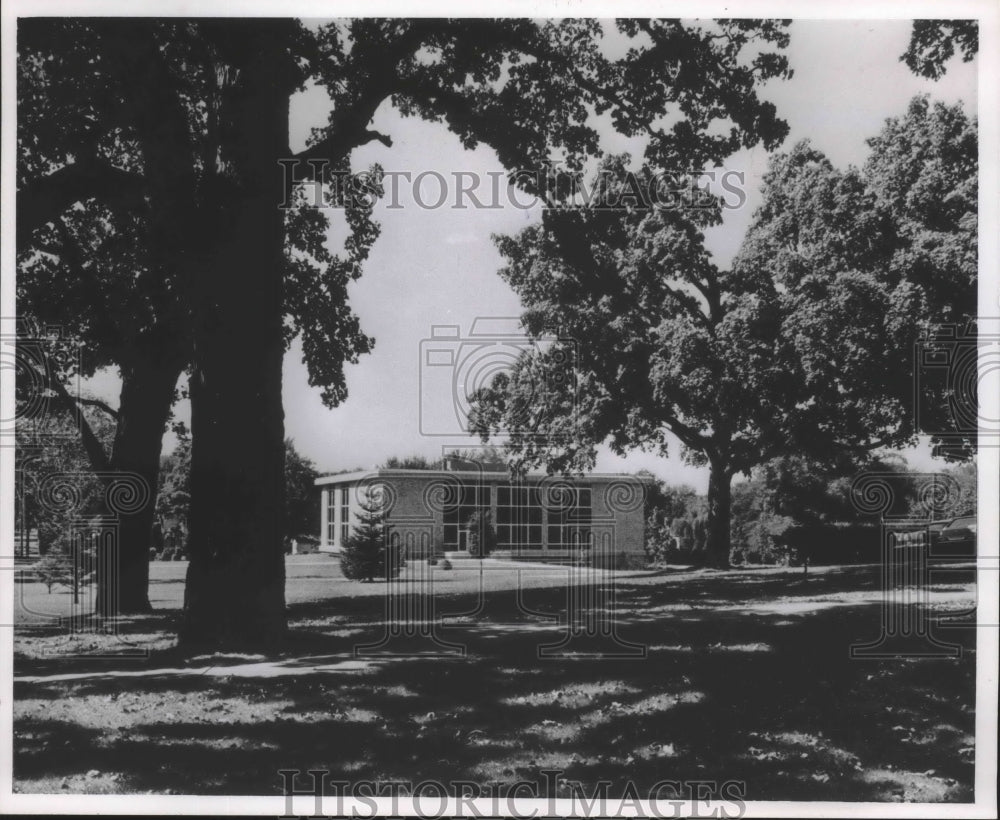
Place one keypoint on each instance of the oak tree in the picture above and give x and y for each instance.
(805, 345)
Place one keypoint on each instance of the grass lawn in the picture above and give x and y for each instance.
(747, 676)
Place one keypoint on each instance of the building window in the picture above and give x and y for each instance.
(345, 514)
(331, 516)
(569, 520)
(472, 497)
(519, 518)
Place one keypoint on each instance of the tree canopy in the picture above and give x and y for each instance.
(934, 42)
(805, 344)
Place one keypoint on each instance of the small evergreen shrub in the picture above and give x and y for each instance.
(367, 555)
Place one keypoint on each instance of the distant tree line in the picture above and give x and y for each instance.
(487, 457)
(786, 505)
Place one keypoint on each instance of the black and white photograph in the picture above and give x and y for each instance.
(551, 409)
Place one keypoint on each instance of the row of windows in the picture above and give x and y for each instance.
(519, 516)
(470, 498)
(519, 507)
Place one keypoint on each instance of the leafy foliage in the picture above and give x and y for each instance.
(51, 451)
(92, 268)
(966, 476)
(797, 493)
(173, 497)
(412, 462)
(668, 511)
(838, 276)
(934, 42)
(487, 458)
(863, 264)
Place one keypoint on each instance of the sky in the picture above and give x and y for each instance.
(439, 267)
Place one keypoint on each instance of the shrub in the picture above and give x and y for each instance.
(179, 554)
(763, 541)
(680, 540)
(153, 554)
(482, 537)
(366, 555)
(432, 560)
(603, 559)
(699, 529)
(446, 564)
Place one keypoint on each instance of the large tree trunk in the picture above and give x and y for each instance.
(235, 592)
(146, 399)
(720, 480)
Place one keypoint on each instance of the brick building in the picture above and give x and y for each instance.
(537, 516)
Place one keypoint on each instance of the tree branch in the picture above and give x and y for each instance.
(349, 130)
(45, 198)
(99, 404)
(688, 436)
(91, 444)
(335, 147)
(537, 49)
(689, 304)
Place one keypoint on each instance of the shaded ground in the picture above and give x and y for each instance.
(746, 676)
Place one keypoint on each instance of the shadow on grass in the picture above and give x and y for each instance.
(746, 677)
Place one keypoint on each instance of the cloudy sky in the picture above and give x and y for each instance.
(439, 267)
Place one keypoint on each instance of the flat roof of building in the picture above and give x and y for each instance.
(501, 475)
